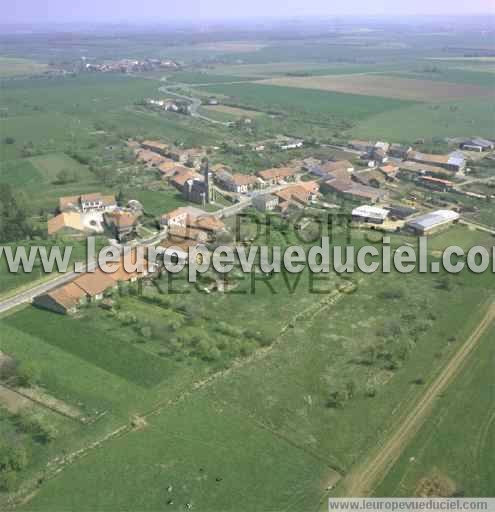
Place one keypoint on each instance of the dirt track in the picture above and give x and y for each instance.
(364, 478)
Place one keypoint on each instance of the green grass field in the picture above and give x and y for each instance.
(10, 67)
(456, 444)
(104, 350)
(311, 102)
(429, 121)
(270, 411)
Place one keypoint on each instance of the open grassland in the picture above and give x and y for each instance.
(59, 113)
(268, 423)
(233, 112)
(10, 67)
(303, 68)
(103, 350)
(429, 121)
(11, 280)
(294, 101)
(200, 77)
(477, 77)
(49, 166)
(199, 452)
(387, 87)
(452, 454)
(232, 46)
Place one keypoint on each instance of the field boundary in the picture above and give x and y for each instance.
(364, 478)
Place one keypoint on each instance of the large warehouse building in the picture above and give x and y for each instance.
(369, 214)
(432, 222)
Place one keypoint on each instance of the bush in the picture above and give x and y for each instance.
(26, 375)
(12, 460)
(392, 294)
(41, 431)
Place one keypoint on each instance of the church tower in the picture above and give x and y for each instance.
(208, 184)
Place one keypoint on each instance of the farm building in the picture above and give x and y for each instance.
(294, 194)
(432, 222)
(353, 190)
(66, 299)
(370, 178)
(265, 202)
(436, 183)
(399, 151)
(277, 175)
(478, 144)
(454, 162)
(84, 203)
(149, 158)
(122, 223)
(156, 146)
(369, 214)
(191, 218)
(362, 145)
(389, 170)
(401, 212)
(68, 224)
(239, 183)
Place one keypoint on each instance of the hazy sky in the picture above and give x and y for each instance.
(42, 11)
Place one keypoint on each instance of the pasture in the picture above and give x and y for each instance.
(386, 87)
(453, 451)
(105, 350)
(232, 112)
(220, 441)
(429, 121)
(14, 67)
(295, 101)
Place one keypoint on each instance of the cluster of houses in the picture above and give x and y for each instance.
(169, 105)
(92, 287)
(94, 213)
(296, 185)
(129, 66)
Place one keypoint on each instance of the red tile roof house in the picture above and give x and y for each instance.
(95, 202)
(122, 223)
(67, 298)
(277, 175)
(184, 219)
(353, 190)
(239, 183)
(293, 195)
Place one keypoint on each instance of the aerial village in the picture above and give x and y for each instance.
(371, 181)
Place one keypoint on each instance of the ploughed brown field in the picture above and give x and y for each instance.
(387, 87)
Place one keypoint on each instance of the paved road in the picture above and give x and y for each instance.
(364, 478)
(194, 107)
(29, 294)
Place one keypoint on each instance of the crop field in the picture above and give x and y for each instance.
(234, 112)
(105, 350)
(50, 165)
(302, 68)
(10, 281)
(10, 67)
(440, 120)
(387, 87)
(191, 453)
(275, 407)
(453, 454)
(478, 77)
(198, 77)
(233, 46)
(292, 100)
